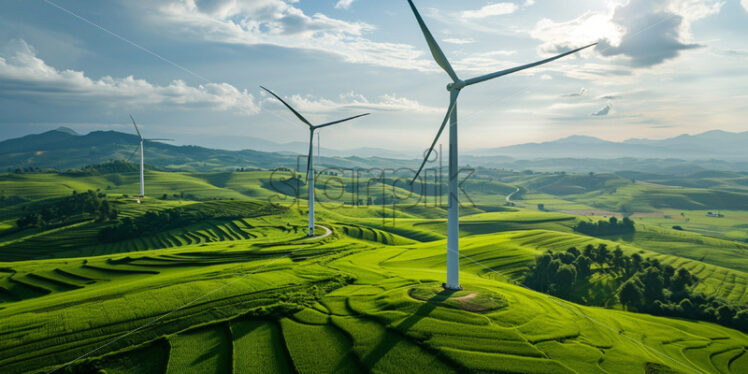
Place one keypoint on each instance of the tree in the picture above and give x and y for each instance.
(541, 206)
(681, 280)
(566, 276)
(636, 262)
(618, 259)
(687, 307)
(631, 295)
(574, 251)
(653, 285)
(628, 224)
(582, 264)
(602, 254)
(589, 251)
(667, 274)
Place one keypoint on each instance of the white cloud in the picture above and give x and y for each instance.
(644, 32)
(344, 4)
(480, 63)
(275, 22)
(585, 29)
(745, 4)
(354, 101)
(462, 41)
(497, 9)
(22, 73)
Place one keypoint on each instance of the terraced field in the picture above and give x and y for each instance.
(245, 291)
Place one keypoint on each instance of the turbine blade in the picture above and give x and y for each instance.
(497, 74)
(132, 154)
(452, 105)
(309, 156)
(299, 116)
(339, 121)
(439, 56)
(136, 127)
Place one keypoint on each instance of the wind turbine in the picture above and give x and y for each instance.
(309, 164)
(453, 249)
(142, 159)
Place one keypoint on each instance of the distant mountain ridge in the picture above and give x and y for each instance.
(63, 149)
(715, 144)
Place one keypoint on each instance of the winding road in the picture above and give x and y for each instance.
(509, 197)
(327, 233)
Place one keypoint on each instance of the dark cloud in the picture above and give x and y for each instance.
(651, 36)
(603, 111)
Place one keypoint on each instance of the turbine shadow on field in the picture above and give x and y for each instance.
(423, 311)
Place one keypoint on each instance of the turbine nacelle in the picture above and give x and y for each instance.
(456, 86)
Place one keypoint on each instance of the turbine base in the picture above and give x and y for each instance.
(453, 287)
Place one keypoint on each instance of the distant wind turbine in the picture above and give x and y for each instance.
(142, 159)
(309, 163)
(453, 249)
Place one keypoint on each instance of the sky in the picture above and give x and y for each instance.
(191, 69)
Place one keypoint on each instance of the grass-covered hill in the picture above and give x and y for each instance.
(62, 150)
(218, 276)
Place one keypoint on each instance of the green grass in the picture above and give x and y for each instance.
(205, 350)
(317, 349)
(246, 292)
(259, 348)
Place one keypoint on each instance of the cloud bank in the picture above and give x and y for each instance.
(280, 23)
(22, 73)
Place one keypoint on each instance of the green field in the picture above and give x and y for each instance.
(244, 291)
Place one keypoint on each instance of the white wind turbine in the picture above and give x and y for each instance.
(142, 159)
(309, 163)
(453, 249)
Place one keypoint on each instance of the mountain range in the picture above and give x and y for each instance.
(63, 149)
(717, 144)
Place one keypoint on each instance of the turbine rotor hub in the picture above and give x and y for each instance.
(455, 86)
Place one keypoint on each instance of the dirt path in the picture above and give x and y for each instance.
(509, 197)
(467, 297)
(327, 233)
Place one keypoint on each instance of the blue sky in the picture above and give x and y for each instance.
(190, 69)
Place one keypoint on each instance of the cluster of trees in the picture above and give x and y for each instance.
(561, 273)
(604, 228)
(646, 285)
(661, 290)
(25, 170)
(247, 169)
(149, 223)
(88, 205)
(108, 167)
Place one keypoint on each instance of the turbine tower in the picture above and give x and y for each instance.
(309, 163)
(453, 249)
(142, 158)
